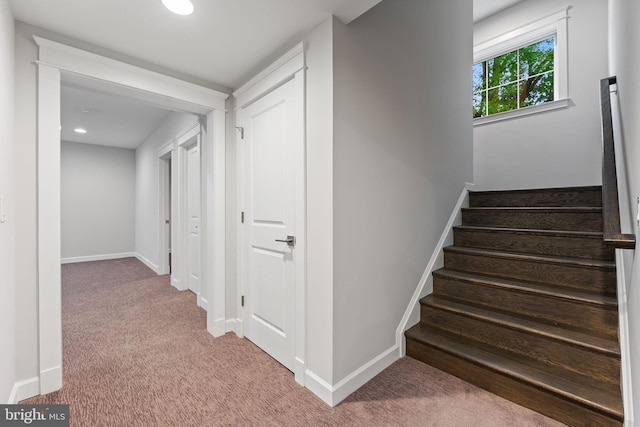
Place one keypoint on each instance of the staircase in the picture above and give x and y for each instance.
(525, 305)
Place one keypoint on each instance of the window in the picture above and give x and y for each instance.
(517, 79)
(523, 71)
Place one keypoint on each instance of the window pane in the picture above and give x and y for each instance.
(479, 76)
(479, 105)
(536, 58)
(536, 90)
(503, 98)
(503, 69)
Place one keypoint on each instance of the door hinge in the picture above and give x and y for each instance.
(242, 217)
(242, 301)
(241, 130)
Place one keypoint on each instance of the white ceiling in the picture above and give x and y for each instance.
(111, 120)
(223, 42)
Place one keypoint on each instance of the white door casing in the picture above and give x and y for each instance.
(57, 61)
(272, 195)
(194, 246)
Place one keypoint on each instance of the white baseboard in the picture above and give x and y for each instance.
(51, 380)
(230, 325)
(24, 389)
(412, 313)
(147, 262)
(332, 395)
(71, 260)
(203, 303)
(216, 327)
(177, 283)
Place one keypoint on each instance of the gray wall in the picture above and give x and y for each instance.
(97, 200)
(8, 228)
(557, 148)
(402, 153)
(625, 63)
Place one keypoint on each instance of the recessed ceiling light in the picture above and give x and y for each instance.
(180, 7)
(80, 130)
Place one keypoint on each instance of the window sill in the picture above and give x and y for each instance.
(508, 115)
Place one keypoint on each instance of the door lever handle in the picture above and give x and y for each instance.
(290, 240)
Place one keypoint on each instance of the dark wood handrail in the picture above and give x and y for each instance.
(610, 205)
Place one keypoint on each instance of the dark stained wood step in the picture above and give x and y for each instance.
(584, 355)
(551, 392)
(596, 276)
(582, 311)
(559, 218)
(577, 244)
(570, 196)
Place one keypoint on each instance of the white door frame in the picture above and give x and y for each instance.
(164, 161)
(290, 66)
(56, 62)
(183, 143)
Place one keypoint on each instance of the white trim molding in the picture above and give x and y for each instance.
(271, 77)
(332, 395)
(24, 390)
(146, 261)
(67, 58)
(554, 24)
(102, 257)
(624, 259)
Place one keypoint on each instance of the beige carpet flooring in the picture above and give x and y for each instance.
(137, 353)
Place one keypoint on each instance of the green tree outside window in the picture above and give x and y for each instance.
(517, 79)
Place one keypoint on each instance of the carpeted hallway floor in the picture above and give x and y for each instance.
(137, 353)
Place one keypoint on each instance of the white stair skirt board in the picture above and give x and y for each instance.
(412, 314)
(332, 395)
(71, 260)
(622, 263)
(24, 390)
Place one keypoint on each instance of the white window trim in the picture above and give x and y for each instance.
(554, 24)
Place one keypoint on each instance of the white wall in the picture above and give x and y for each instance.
(25, 207)
(147, 222)
(97, 200)
(7, 192)
(319, 131)
(402, 153)
(625, 63)
(556, 148)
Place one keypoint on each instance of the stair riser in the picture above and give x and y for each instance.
(556, 407)
(597, 366)
(588, 198)
(598, 319)
(601, 280)
(577, 247)
(567, 221)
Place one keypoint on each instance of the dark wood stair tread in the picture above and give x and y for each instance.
(529, 287)
(549, 259)
(532, 231)
(543, 209)
(555, 381)
(575, 338)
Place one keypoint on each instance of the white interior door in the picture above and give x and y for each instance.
(269, 192)
(194, 245)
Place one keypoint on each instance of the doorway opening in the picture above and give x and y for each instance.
(57, 63)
